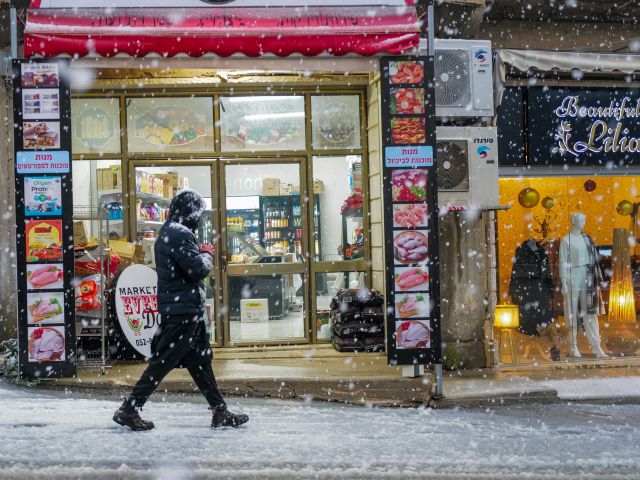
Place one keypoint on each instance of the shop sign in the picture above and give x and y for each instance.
(136, 299)
(42, 162)
(212, 3)
(421, 155)
(44, 212)
(587, 126)
(410, 205)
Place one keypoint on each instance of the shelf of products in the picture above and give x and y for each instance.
(352, 234)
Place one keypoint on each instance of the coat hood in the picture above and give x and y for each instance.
(186, 208)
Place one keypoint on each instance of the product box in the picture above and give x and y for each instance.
(295, 189)
(271, 186)
(167, 190)
(116, 173)
(285, 189)
(318, 186)
(125, 250)
(254, 310)
(79, 232)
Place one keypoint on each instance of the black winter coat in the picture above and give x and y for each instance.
(531, 287)
(180, 266)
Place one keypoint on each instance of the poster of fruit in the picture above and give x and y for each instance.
(413, 334)
(170, 124)
(45, 308)
(46, 344)
(48, 276)
(43, 240)
(40, 135)
(42, 196)
(34, 75)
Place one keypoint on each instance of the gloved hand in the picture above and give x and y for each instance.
(208, 248)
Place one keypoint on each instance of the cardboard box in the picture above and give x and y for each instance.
(174, 179)
(116, 173)
(318, 186)
(271, 186)
(167, 190)
(285, 189)
(295, 189)
(254, 310)
(79, 232)
(125, 250)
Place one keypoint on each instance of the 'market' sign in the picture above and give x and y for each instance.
(587, 126)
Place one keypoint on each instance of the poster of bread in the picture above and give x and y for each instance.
(41, 135)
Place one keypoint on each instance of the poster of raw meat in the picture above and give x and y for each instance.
(45, 308)
(411, 206)
(42, 196)
(46, 344)
(44, 218)
(45, 276)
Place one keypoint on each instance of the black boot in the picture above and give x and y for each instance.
(128, 416)
(224, 418)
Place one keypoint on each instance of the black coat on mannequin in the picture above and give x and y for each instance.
(531, 286)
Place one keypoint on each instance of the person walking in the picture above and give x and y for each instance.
(181, 340)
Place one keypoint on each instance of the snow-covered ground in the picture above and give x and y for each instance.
(52, 434)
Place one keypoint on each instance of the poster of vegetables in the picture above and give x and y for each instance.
(45, 308)
(410, 199)
(44, 240)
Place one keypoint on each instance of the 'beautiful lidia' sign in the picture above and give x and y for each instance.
(583, 126)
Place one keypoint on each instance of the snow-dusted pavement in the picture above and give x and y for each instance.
(51, 434)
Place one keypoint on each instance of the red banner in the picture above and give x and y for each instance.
(223, 31)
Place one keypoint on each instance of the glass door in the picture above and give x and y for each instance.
(264, 253)
(154, 184)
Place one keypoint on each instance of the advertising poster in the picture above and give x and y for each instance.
(136, 300)
(42, 196)
(410, 202)
(44, 218)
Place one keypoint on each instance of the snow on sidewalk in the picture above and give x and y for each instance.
(57, 435)
(595, 388)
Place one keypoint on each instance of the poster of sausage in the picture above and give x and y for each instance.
(44, 213)
(410, 202)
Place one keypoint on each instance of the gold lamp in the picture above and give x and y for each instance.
(622, 306)
(506, 318)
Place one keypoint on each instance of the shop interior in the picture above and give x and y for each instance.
(261, 216)
(537, 272)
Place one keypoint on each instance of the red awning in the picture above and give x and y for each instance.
(195, 32)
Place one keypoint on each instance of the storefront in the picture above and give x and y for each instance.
(568, 127)
(284, 146)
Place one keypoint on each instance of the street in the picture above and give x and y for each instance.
(69, 435)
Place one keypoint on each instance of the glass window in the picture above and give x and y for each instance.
(546, 266)
(95, 125)
(335, 121)
(177, 124)
(338, 207)
(96, 184)
(259, 123)
(267, 307)
(264, 215)
(327, 286)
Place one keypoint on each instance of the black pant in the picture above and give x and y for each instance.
(179, 343)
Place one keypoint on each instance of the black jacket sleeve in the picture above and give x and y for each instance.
(194, 264)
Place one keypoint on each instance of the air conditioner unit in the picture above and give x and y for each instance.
(463, 78)
(467, 162)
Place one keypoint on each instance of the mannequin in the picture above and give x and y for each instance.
(580, 276)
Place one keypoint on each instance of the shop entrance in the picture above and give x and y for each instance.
(256, 217)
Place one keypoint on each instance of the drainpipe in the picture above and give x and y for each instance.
(492, 360)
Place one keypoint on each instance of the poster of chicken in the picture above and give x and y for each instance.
(410, 202)
(44, 218)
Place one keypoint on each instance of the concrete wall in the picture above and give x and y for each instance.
(7, 216)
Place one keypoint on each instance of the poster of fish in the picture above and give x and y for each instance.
(42, 196)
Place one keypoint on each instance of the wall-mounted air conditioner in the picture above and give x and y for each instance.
(467, 159)
(463, 78)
